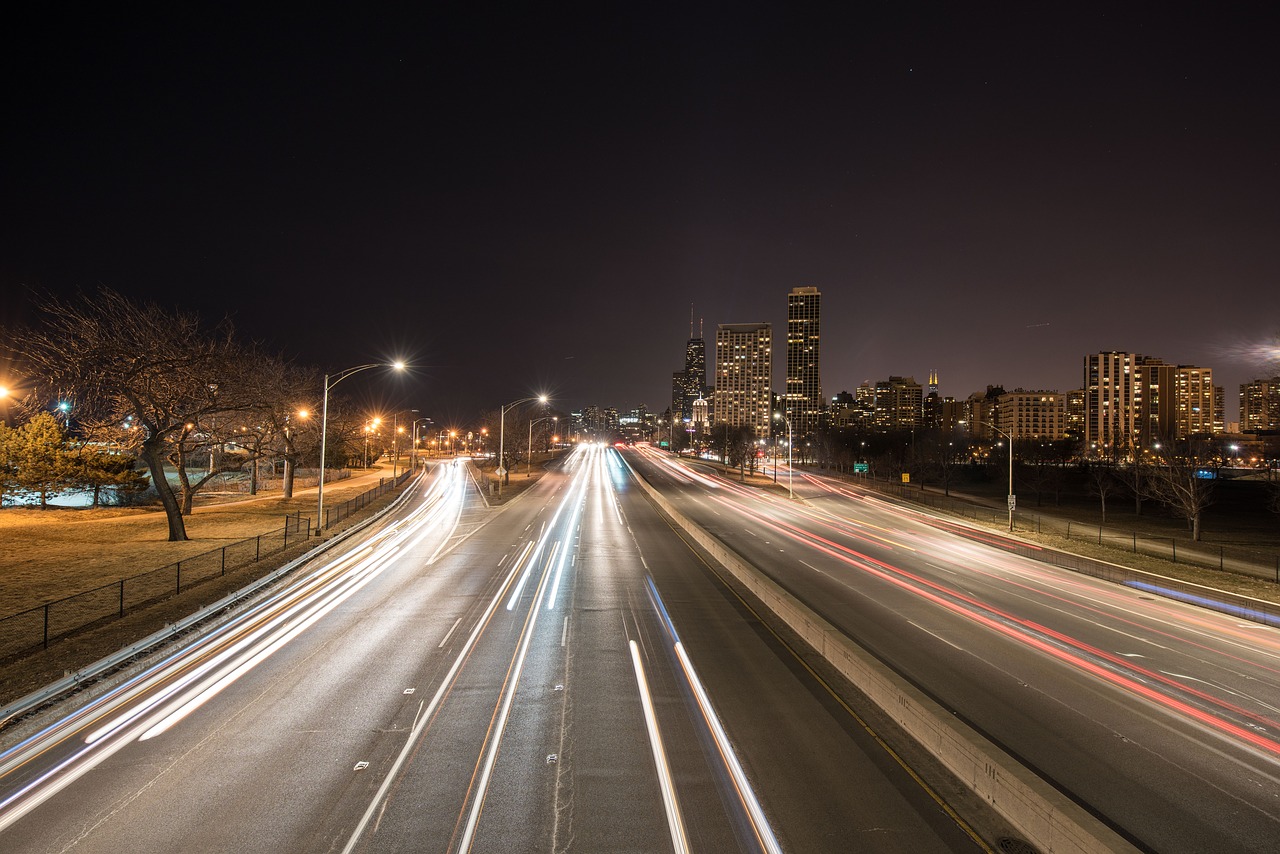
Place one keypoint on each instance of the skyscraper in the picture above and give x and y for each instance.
(743, 383)
(1133, 402)
(803, 396)
(690, 384)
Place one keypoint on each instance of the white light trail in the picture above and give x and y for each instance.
(675, 823)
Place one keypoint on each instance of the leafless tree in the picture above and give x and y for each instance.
(122, 361)
(1102, 483)
(1181, 481)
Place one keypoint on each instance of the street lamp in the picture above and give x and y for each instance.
(324, 424)
(413, 454)
(1012, 498)
(790, 492)
(528, 463)
(368, 428)
(502, 432)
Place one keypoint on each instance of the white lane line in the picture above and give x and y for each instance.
(679, 839)
(564, 633)
(764, 833)
(416, 733)
(939, 637)
(500, 725)
(449, 633)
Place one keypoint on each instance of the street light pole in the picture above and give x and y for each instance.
(1012, 498)
(790, 492)
(324, 425)
(528, 463)
(502, 432)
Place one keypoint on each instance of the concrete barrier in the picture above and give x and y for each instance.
(1048, 819)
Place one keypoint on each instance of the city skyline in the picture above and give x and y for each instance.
(992, 193)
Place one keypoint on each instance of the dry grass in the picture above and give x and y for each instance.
(48, 554)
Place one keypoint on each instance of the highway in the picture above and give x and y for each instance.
(561, 674)
(1161, 718)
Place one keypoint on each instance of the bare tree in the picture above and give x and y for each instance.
(1181, 481)
(1102, 483)
(124, 361)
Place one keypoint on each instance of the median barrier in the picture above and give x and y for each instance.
(1047, 818)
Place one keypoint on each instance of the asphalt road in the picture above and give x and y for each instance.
(1161, 718)
(562, 674)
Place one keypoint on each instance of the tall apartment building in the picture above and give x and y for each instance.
(1260, 405)
(1134, 401)
(803, 395)
(1110, 416)
(1032, 415)
(743, 381)
(899, 404)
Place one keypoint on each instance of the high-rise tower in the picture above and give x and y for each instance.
(691, 383)
(803, 396)
(744, 371)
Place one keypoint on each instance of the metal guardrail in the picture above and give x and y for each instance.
(48, 693)
(35, 628)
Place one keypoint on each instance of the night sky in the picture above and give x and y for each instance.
(528, 201)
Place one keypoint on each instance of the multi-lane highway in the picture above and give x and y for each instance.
(564, 673)
(1161, 718)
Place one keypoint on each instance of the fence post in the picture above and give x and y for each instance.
(1068, 530)
(1135, 542)
(1099, 535)
(1174, 542)
(257, 548)
(46, 626)
(1220, 558)
(224, 560)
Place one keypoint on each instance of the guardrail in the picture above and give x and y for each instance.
(337, 513)
(1049, 819)
(37, 627)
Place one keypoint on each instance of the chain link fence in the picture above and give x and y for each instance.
(38, 627)
(1259, 562)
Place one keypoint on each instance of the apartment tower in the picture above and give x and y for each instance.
(803, 396)
(743, 381)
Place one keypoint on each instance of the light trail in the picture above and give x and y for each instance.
(186, 679)
(675, 822)
(1114, 669)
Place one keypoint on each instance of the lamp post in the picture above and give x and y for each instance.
(528, 463)
(368, 428)
(324, 424)
(790, 492)
(1012, 498)
(413, 454)
(502, 432)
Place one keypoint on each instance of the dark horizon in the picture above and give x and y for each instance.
(530, 202)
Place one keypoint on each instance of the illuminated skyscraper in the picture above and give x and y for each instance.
(691, 383)
(743, 383)
(803, 396)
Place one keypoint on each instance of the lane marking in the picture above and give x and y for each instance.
(675, 823)
(449, 633)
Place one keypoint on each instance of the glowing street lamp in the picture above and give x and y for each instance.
(528, 463)
(1012, 498)
(790, 492)
(502, 432)
(324, 423)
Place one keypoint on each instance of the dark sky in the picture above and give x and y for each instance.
(528, 201)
